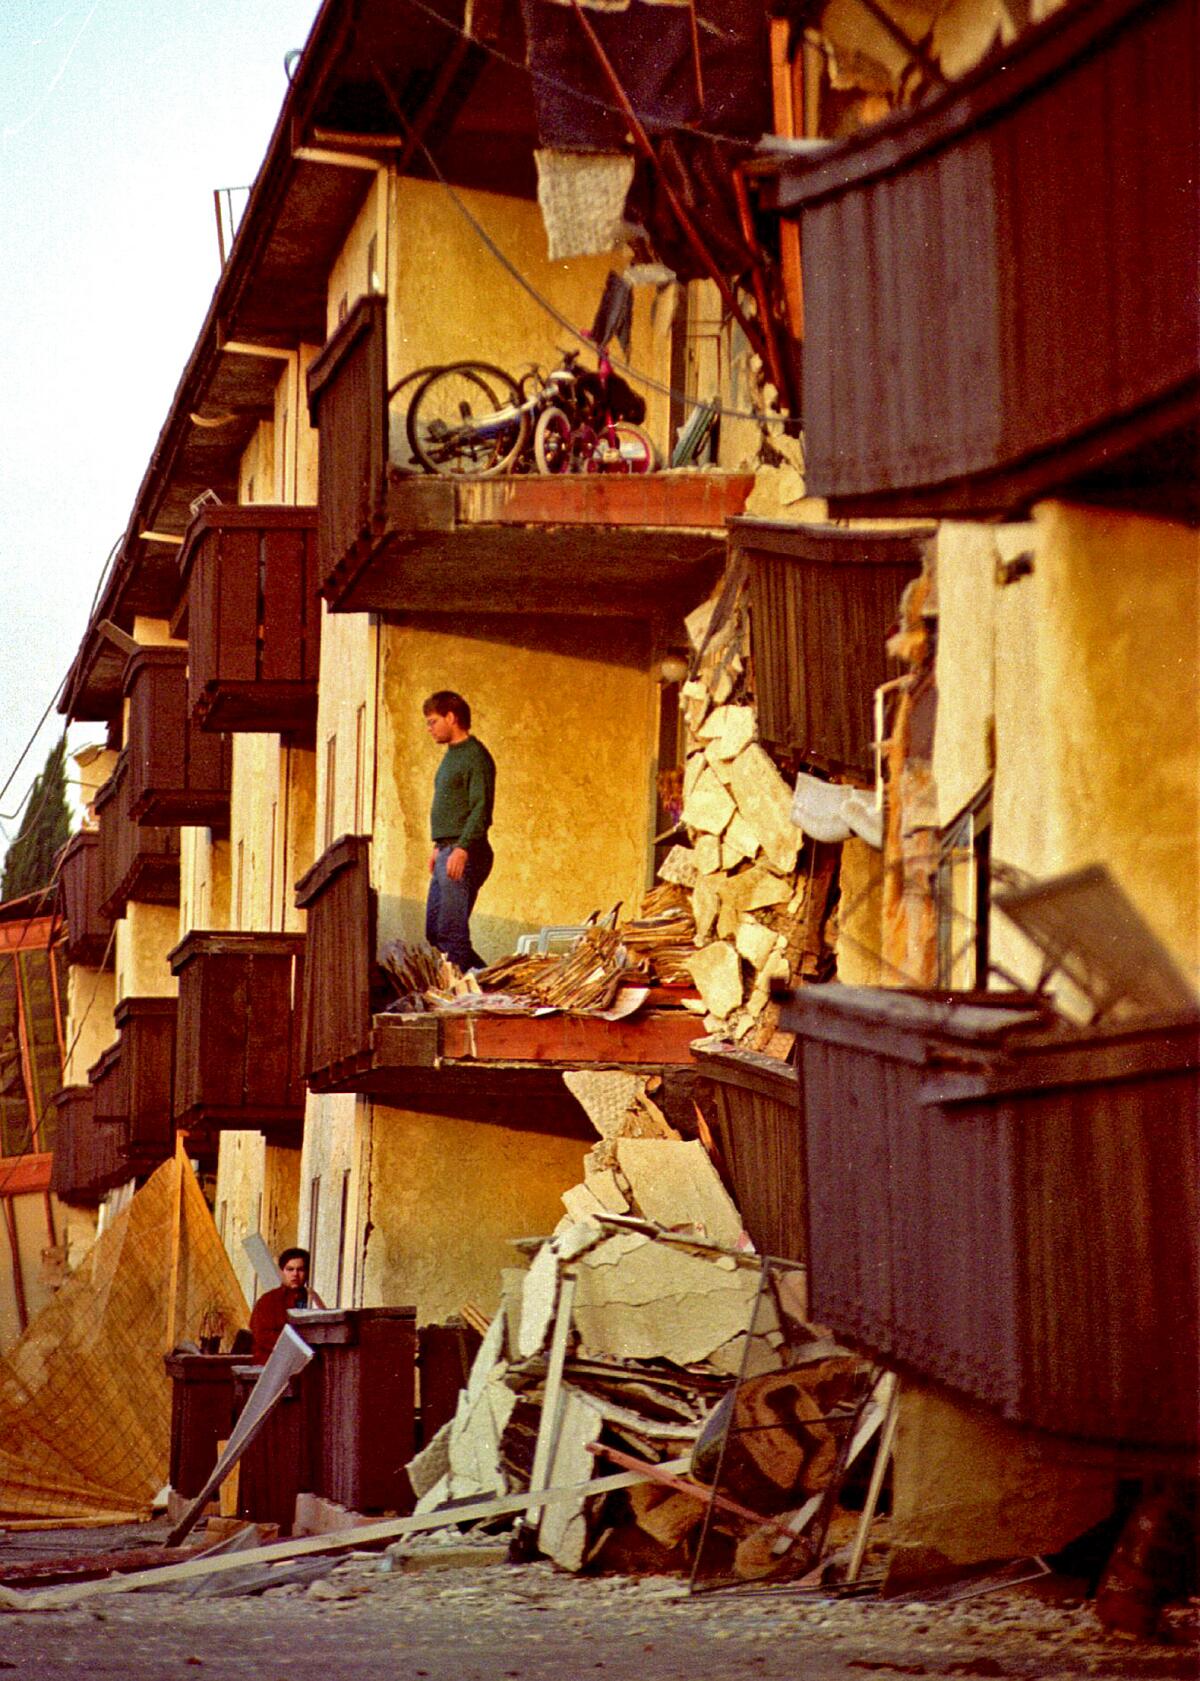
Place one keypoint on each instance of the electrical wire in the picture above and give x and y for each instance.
(543, 303)
(579, 95)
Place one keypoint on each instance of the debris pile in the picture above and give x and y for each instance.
(758, 907)
(620, 1343)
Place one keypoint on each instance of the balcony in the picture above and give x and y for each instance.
(133, 1083)
(489, 1068)
(986, 1199)
(822, 603)
(178, 775)
(136, 862)
(251, 612)
(86, 1158)
(636, 546)
(237, 1057)
(79, 886)
(1000, 285)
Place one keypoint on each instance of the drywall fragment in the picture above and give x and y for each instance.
(693, 689)
(475, 1440)
(761, 1357)
(709, 806)
(717, 973)
(696, 1005)
(765, 802)
(715, 1025)
(581, 1201)
(512, 1288)
(741, 835)
(706, 904)
(693, 770)
(755, 942)
(679, 866)
(719, 767)
(677, 1185)
(755, 889)
(538, 1301)
(488, 1356)
(432, 1463)
(727, 730)
(707, 850)
(641, 1300)
(602, 1183)
(697, 622)
(562, 1533)
(604, 1094)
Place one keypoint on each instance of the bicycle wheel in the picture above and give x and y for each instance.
(623, 447)
(552, 442)
(466, 420)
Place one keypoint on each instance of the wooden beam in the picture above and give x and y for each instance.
(338, 1541)
(648, 1039)
(340, 160)
(27, 1175)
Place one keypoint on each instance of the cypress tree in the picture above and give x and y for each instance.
(45, 828)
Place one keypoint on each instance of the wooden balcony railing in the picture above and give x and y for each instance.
(237, 1056)
(253, 618)
(133, 1083)
(822, 602)
(89, 931)
(86, 1158)
(986, 1200)
(340, 960)
(638, 546)
(136, 862)
(1000, 285)
(177, 773)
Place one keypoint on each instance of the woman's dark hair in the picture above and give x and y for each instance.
(447, 704)
(293, 1255)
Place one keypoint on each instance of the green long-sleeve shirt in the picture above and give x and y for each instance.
(463, 791)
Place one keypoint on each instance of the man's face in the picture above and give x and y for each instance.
(294, 1273)
(441, 726)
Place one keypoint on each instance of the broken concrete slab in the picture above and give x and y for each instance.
(756, 942)
(432, 1463)
(709, 806)
(717, 972)
(538, 1301)
(563, 1531)
(764, 800)
(727, 731)
(677, 1185)
(707, 852)
(641, 1300)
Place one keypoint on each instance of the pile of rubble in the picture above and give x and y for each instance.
(758, 905)
(620, 1345)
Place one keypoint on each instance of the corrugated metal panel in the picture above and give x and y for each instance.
(822, 600)
(756, 1103)
(1019, 1218)
(1001, 286)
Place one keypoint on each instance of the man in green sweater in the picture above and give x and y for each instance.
(461, 861)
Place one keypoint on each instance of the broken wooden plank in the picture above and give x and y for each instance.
(651, 1038)
(346, 1540)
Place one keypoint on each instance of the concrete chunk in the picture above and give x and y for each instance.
(764, 800)
(677, 1185)
(717, 972)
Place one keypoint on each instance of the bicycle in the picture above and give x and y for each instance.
(471, 419)
(598, 430)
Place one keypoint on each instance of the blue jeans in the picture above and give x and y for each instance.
(450, 903)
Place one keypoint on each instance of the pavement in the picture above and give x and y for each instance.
(449, 1608)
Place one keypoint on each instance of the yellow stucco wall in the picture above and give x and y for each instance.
(1096, 707)
(451, 299)
(145, 934)
(203, 880)
(448, 1195)
(569, 712)
(89, 1028)
(336, 1156)
(256, 473)
(257, 1190)
(346, 728)
(306, 436)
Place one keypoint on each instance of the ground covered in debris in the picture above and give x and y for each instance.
(452, 1609)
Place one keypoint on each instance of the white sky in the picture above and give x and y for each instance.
(118, 118)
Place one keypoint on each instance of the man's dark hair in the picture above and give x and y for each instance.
(293, 1255)
(448, 704)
